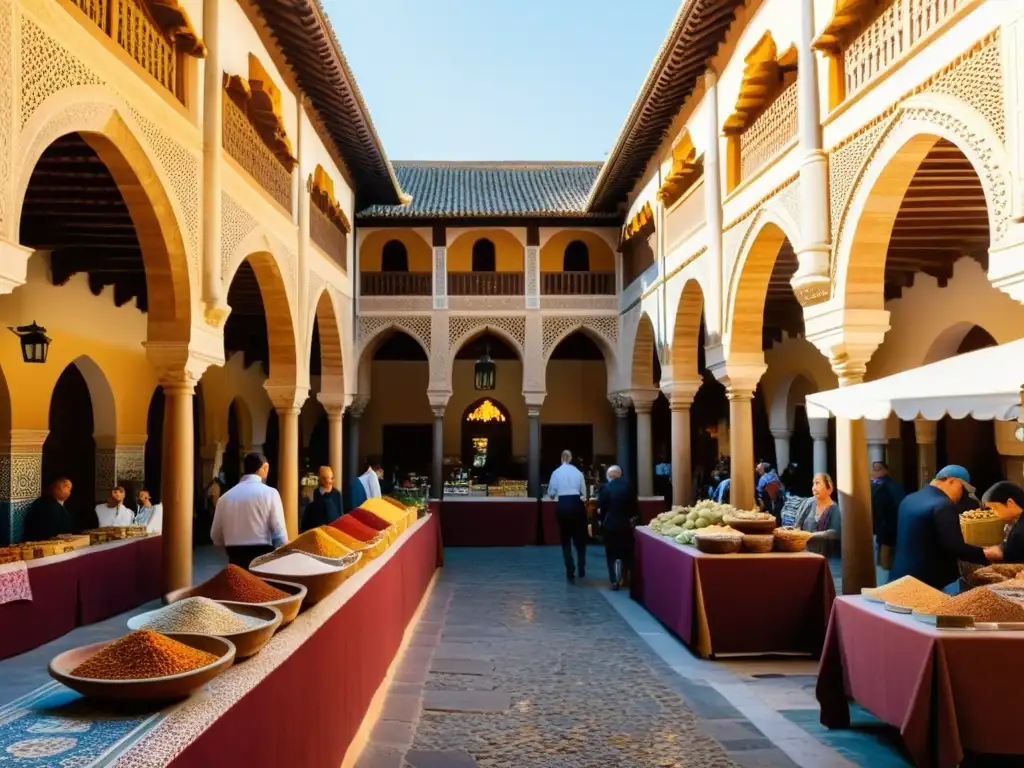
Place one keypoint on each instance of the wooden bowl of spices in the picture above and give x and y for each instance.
(320, 576)
(236, 585)
(249, 627)
(143, 666)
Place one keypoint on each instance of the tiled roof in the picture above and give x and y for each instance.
(490, 190)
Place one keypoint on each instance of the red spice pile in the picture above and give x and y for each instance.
(353, 527)
(367, 518)
(234, 583)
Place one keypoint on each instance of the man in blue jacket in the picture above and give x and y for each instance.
(929, 542)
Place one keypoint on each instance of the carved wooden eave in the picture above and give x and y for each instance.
(848, 19)
(175, 22)
(642, 224)
(321, 192)
(699, 29)
(763, 80)
(309, 45)
(687, 167)
(254, 99)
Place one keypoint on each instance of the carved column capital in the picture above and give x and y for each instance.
(926, 431)
(643, 399)
(358, 405)
(680, 394)
(334, 404)
(179, 366)
(286, 398)
(621, 403)
(740, 373)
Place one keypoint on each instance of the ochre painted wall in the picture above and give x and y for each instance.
(416, 247)
(552, 253)
(508, 251)
(577, 394)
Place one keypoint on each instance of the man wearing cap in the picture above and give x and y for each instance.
(929, 542)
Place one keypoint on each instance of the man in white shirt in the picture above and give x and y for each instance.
(249, 519)
(569, 488)
(114, 512)
(150, 515)
(370, 480)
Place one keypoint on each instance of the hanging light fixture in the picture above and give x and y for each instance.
(35, 344)
(486, 373)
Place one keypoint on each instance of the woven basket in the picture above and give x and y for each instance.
(758, 543)
(719, 545)
(744, 525)
(790, 540)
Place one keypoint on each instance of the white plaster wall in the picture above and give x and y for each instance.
(794, 357)
(238, 39)
(222, 385)
(925, 312)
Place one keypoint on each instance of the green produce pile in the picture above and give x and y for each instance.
(682, 523)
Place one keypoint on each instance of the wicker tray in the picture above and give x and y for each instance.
(789, 540)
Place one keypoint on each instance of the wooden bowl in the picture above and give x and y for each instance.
(758, 543)
(247, 643)
(751, 526)
(288, 606)
(320, 585)
(719, 546)
(150, 689)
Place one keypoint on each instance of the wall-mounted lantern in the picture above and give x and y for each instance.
(35, 344)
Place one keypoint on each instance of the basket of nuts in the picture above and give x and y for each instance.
(791, 539)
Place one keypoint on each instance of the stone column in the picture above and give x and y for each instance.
(437, 454)
(288, 400)
(534, 403)
(21, 467)
(680, 397)
(876, 433)
(811, 282)
(440, 270)
(620, 402)
(335, 406)
(781, 438)
(713, 202)
(213, 94)
(741, 446)
(819, 433)
(643, 402)
(355, 413)
(178, 481)
(926, 433)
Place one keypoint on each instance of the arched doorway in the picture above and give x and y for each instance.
(486, 440)
(70, 448)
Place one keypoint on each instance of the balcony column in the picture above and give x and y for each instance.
(355, 413)
(680, 396)
(782, 443)
(534, 401)
(216, 308)
(532, 276)
(811, 282)
(300, 212)
(438, 403)
(335, 406)
(926, 433)
(643, 402)
(440, 241)
(713, 204)
(620, 402)
(288, 400)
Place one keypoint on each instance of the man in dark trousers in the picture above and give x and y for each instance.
(886, 496)
(929, 542)
(326, 506)
(47, 516)
(617, 506)
(568, 487)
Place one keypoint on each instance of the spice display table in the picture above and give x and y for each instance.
(81, 587)
(312, 684)
(489, 522)
(734, 604)
(947, 691)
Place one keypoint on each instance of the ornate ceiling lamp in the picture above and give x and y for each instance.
(486, 412)
(486, 372)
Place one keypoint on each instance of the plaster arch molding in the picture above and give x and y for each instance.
(511, 330)
(325, 306)
(167, 171)
(602, 330)
(260, 240)
(912, 131)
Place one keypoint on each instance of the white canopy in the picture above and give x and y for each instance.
(984, 385)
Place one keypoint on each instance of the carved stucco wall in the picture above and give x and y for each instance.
(6, 111)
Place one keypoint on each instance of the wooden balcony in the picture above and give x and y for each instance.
(326, 234)
(577, 283)
(395, 284)
(485, 284)
(244, 143)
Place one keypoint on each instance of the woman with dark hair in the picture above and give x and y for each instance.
(820, 516)
(1007, 500)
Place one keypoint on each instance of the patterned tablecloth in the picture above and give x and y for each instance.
(14, 583)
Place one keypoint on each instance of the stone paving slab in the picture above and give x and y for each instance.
(447, 759)
(461, 666)
(466, 701)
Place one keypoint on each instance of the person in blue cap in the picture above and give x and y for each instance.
(929, 542)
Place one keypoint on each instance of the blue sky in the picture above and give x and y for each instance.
(500, 79)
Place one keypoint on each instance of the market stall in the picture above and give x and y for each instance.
(488, 521)
(773, 602)
(930, 683)
(77, 588)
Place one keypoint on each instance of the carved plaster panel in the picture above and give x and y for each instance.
(130, 463)
(485, 303)
(235, 225)
(532, 277)
(395, 303)
(557, 328)
(417, 326)
(580, 303)
(461, 328)
(440, 278)
(46, 68)
(6, 106)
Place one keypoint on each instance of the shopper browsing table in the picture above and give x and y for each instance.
(929, 542)
(249, 521)
(568, 487)
(113, 512)
(617, 506)
(1007, 501)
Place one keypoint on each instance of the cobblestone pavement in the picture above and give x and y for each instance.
(512, 666)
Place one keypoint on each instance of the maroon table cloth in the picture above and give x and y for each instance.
(549, 523)
(315, 701)
(734, 604)
(651, 508)
(492, 522)
(81, 589)
(946, 691)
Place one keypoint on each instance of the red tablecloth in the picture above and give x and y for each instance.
(489, 522)
(315, 700)
(81, 588)
(947, 691)
(734, 604)
(651, 508)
